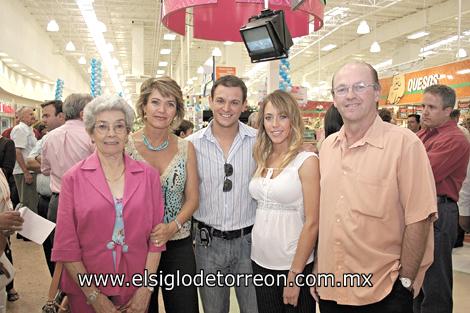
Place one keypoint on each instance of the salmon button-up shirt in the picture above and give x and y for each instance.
(370, 191)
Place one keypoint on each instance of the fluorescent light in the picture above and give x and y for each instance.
(375, 47)
(328, 47)
(3, 54)
(464, 71)
(89, 15)
(52, 26)
(216, 52)
(110, 47)
(363, 28)
(14, 65)
(189, 82)
(200, 70)
(194, 78)
(162, 63)
(101, 27)
(70, 46)
(417, 35)
(427, 53)
(440, 43)
(383, 64)
(82, 60)
(466, 33)
(7, 60)
(160, 72)
(461, 53)
(169, 36)
(228, 43)
(165, 51)
(23, 70)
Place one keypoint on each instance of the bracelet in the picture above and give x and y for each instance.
(178, 224)
(294, 272)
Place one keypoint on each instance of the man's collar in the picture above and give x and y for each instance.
(373, 136)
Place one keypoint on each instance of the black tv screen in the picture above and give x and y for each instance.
(258, 40)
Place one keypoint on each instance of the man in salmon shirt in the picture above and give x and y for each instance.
(375, 218)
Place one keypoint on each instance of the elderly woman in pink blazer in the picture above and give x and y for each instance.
(108, 206)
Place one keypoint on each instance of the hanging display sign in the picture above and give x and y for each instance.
(225, 70)
(407, 88)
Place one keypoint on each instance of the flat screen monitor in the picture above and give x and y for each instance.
(258, 40)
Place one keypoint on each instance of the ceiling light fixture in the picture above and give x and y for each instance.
(464, 71)
(7, 60)
(15, 65)
(363, 28)
(82, 60)
(160, 72)
(328, 47)
(165, 51)
(417, 35)
(384, 64)
(228, 43)
(3, 54)
(375, 47)
(440, 43)
(200, 70)
(89, 15)
(216, 52)
(162, 63)
(426, 54)
(52, 26)
(70, 46)
(169, 36)
(461, 53)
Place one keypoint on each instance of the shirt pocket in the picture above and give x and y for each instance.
(369, 198)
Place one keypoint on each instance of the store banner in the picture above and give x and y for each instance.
(407, 88)
(224, 71)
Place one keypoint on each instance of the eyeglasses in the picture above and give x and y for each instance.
(228, 169)
(357, 88)
(118, 128)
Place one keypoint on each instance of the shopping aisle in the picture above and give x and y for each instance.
(32, 279)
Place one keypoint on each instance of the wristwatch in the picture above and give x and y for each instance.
(406, 282)
(91, 297)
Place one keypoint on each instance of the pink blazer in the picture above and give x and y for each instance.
(86, 216)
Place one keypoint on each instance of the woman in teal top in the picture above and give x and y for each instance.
(161, 107)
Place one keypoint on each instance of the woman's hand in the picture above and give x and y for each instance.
(103, 305)
(139, 302)
(291, 291)
(162, 232)
(11, 221)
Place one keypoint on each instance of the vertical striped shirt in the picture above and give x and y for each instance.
(236, 208)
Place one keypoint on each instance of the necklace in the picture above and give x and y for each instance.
(160, 147)
(115, 179)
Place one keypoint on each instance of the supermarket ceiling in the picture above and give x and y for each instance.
(313, 58)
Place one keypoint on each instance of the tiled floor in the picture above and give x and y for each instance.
(32, 279)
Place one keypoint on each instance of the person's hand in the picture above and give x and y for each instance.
(291, 291)
(11, 221)
(28, 178)
(139, 301)
(103, 305)
(161, 233)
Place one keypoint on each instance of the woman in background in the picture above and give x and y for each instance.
(286, 185)
(184, 129)
(161, 107)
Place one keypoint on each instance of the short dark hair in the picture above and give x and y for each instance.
(385, 115)
(230, 81)
(455, 114)
(446, 93)
(183, 127)
(333, 121)
(416, 116)
(56, 103)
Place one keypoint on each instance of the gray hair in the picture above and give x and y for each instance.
(21, 110)
(107, 103)
(74, 104)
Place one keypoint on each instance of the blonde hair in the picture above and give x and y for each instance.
(285, 104)
(167, 87)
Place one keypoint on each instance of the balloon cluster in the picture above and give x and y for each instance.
(59, 88)
(95, 81)
(284, 73)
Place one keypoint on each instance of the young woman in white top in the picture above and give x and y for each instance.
(286, 185)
